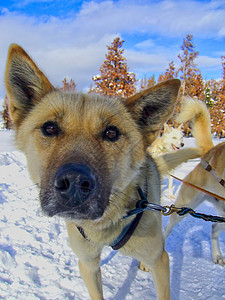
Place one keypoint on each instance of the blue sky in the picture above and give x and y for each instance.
(69, 38)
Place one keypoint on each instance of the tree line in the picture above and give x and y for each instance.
(115, 79)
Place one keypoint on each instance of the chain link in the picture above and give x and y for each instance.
(143, 204)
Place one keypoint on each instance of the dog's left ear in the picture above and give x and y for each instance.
(25, 83)
(153, 107)
(180, 127)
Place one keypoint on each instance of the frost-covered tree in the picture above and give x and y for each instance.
(115, 78)
(147, 82)
(68, 86)
(7, 121)
(193, 84)
(218, 110)
(170, 73)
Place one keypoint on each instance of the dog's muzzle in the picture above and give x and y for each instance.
(76, 191)
(74, 184)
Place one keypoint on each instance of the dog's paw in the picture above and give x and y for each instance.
(142, 267)
(219, 260)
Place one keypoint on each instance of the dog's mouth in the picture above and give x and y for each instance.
(75, 192)
(175, 148)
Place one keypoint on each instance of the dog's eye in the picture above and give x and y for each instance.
(50, 128)
(111, 134)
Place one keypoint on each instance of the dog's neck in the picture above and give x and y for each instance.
(118, 231)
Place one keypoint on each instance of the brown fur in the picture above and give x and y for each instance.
(80, 122)
(209, 180)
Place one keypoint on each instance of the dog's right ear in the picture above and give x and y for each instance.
(25, 83)
(153, 107)
(166, 128)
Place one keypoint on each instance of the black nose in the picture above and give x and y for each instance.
(74, 184)
(182, 144)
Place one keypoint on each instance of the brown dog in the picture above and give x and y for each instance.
(87, 154)
(208, 174)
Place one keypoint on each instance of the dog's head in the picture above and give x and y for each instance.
(82, 149)
(172, 138)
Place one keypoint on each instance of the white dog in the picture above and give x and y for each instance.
(171, 140)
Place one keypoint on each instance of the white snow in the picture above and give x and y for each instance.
(36, 261)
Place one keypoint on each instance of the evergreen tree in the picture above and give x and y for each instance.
(208, 99)
(147, 83)
(68, 86)
(218, 110)
(7, 121)
(192, 79)
(115, 79)
(169, 74)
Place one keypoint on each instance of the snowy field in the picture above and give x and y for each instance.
(36, 261)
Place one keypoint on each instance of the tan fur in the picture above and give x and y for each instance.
(196, 111)
(209, 180)
(78, 136)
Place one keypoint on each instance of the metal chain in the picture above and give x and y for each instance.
(185, 210)
(143, 204)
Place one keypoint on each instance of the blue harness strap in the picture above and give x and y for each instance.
(129, 229)
(126, 233)
(124, 236)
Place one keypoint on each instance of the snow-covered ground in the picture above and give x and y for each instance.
(36, 261)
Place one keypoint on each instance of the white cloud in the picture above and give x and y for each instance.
(208, 62)
(143, 62)
(165, 17)
(147, 44)
(75, 46)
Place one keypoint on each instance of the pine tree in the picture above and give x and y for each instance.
(209, 95)
(192, 79)
(218, 110)
(169, 74)
(115, 79)
(7, 121)
(147, 83)
(68, 86)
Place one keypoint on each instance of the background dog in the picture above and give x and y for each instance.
(208, 174)
(171, 140)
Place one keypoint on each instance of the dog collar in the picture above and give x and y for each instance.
(124, 236)
(126, 233)
(129, 229)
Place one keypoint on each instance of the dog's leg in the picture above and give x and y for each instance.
(91, 275)
(170, 188)
(150, 251)
(160, 272)
(161, 276)
(173, 220)
(187, 196)
(191, 200)
(89, 261)
(217, 256)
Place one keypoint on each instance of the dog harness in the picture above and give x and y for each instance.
(124, 236)
(126, 233)
(129, 229)
(209, 168)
